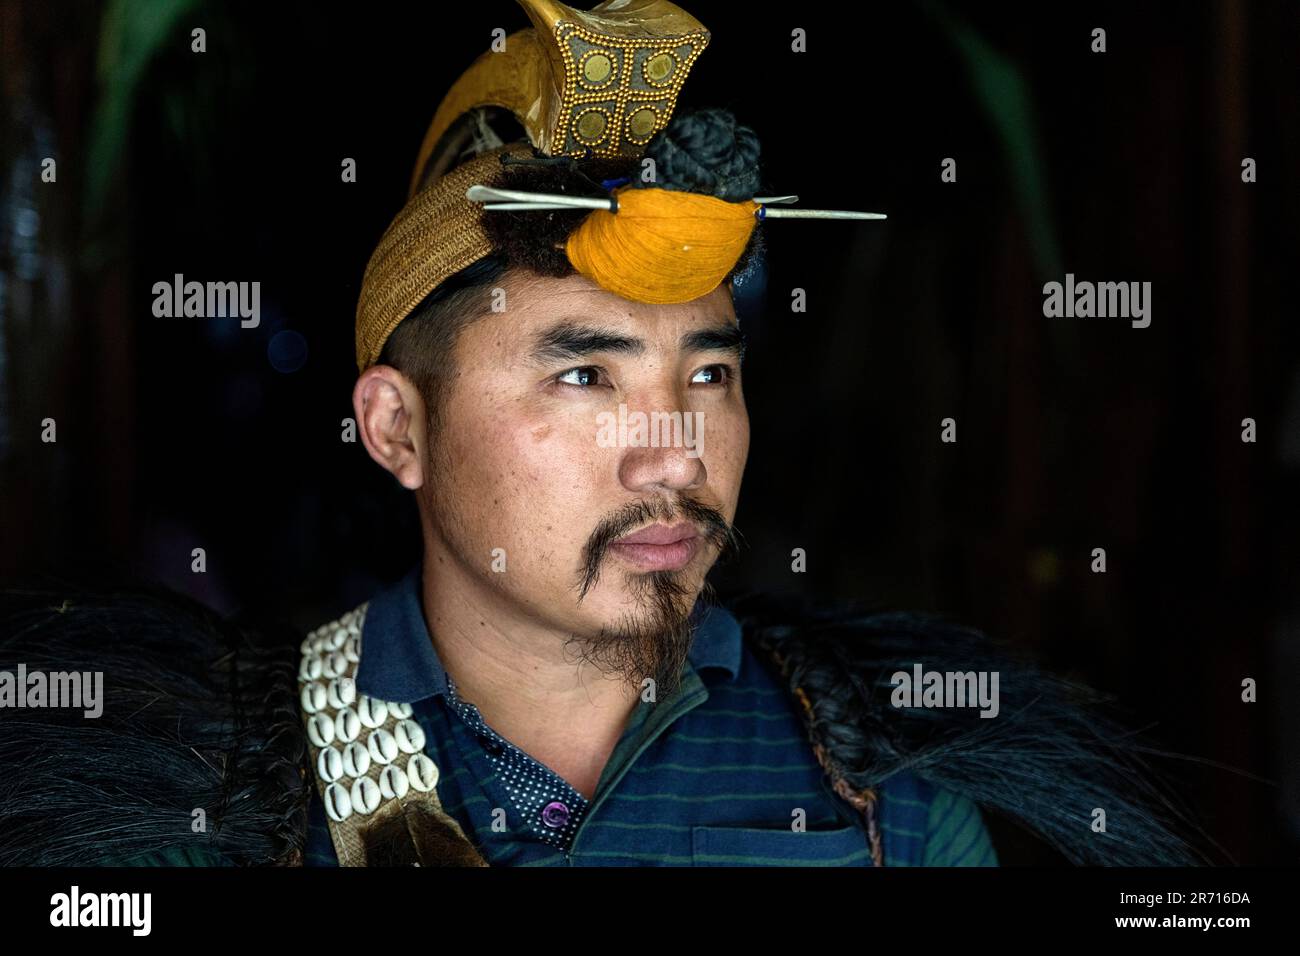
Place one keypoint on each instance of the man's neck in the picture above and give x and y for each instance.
(517, 672)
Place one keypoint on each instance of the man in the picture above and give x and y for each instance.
(554, 647)
(547, 642)
(553, 685)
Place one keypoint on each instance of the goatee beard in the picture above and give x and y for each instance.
(651, 643)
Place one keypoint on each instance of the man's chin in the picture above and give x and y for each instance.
(649, 637)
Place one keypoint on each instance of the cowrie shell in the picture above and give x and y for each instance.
(336, 664)
(347, 725)
(342, 692)
(313, 697)
(337, 802)
(383, 748)
(372, 712)
(422, 773)
(320, 729)
(329, 765)
(356, 759)
(310, 668)
(410, 737)
(393, 783)
(365, 795)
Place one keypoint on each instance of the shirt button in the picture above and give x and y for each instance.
(555, 814)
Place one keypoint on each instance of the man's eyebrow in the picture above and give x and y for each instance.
(726, 338)
(571, 340)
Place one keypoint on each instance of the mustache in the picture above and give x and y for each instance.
(710, 523)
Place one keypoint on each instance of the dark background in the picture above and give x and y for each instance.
(1072, 433)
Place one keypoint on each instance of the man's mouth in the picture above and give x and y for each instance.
(659, 547)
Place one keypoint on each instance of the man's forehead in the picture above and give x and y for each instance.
(542, 302)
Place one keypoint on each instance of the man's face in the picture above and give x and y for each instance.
(599, 444)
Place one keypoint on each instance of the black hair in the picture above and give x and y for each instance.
(1057, 751)
(198, 713)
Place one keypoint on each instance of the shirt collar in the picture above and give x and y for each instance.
(399, 663)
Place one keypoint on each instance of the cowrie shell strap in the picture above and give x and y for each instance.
(380, 739)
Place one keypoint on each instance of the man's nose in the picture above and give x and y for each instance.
(661, 469)
(665, 456)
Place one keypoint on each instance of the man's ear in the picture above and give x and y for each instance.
(394, 429)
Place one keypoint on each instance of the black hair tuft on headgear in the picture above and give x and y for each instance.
(706, 151)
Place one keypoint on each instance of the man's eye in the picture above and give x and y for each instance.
(584, 377)
(711, 375)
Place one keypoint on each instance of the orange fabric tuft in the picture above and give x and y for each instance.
(662, 245)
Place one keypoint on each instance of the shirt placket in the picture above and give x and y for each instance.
(550, 808)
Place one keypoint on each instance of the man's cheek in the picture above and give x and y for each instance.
(546, 492)
(726, 460)
(557, 453)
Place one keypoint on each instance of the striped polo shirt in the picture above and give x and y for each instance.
(719, 773)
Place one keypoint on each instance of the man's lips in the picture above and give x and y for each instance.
(660, 534)
(659, 547)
